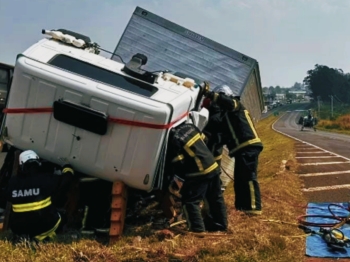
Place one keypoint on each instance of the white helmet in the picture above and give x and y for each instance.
(223, 89)
(27, 155)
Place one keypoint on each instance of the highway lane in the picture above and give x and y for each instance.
(323, 159)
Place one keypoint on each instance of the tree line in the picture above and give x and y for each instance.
(325, 82)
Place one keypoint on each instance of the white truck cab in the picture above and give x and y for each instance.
(110, 120)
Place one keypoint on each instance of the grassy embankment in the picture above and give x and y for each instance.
(249, 238)
(337, 122)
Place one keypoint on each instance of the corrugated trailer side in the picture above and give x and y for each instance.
(251, 95)
(172, 47)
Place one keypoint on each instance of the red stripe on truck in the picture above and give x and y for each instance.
(110, 119)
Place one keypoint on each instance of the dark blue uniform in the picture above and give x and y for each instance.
(31, 197)
(238, 133)
(193, 162)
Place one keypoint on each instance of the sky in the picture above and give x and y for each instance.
(286, 37)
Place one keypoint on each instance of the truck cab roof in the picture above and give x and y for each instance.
(166, 88)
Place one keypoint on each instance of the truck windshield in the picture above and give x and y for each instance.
(102, 75)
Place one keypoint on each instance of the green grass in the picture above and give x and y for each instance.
(249, 239)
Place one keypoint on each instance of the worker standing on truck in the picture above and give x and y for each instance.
(30, 193)
(194, 164)
(244, 144)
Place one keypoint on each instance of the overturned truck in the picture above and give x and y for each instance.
(181, 50)
(111, 119)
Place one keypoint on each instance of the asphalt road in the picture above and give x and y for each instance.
(323, 159)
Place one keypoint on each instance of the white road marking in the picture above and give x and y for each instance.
(305, 143)
(323, 188)
(316, 152)
(316, 157)
(323, 163)
(325, 173)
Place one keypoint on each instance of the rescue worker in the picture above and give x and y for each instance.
(309, 115)
(30, 193)
(195, 166)
(213, 135)
(240, 137)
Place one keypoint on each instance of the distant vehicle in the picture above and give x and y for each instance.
(289, 101)
(307, 122)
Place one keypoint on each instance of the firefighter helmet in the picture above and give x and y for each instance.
(28, 155)
(223, 89)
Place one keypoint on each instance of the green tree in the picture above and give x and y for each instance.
(290, 96)
(272, 92)
(277, 89)
(324, 81)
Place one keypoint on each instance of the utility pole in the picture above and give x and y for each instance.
(318, 104)
(331, 105)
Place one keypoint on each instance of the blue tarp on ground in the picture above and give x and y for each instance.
(315, 245)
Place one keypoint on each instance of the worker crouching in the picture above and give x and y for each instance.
(195, 165)
(30, 193)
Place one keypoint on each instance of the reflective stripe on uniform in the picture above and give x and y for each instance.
(32, 206)
(252, 195)
(249, 142)
(178, 158)
(247, 115)
(204, 172)
(190, 143)
(68, 169)
(51, 233)
(246, 143)
(234, 104)
(199, 164)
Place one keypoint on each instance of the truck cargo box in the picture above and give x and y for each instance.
(68, 102)
(181, 50)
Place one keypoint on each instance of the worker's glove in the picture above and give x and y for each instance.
(205, 88)
(175, 186)
(212, 96)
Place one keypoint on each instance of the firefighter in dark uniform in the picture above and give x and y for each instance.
(239, 135)
(309, 115)
(195, 165)
(213, 134)
(30, 193)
